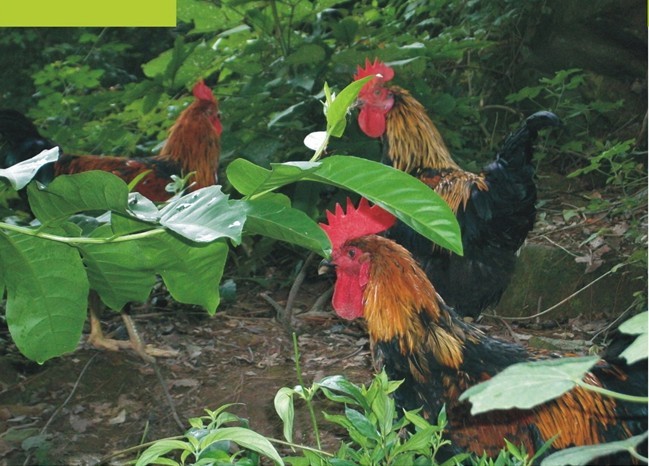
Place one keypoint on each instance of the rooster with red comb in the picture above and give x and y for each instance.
(423, 342)
(495, 208)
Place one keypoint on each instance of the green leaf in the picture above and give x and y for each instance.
(160, 448)
(122, 272)
(204, 215)
(337, 110)
(250, 179)
(345, 30)
(245, 438)
(272, 217)
(285, 410)
(637, 350)
(47, 295)
(362, 424)
(341, 384)
(578, 456)
(70, 194)
(406, 197)
(419, 441)
(409, 199)
(22, 173)
(306, 54)
(526, 385)
(192, 271)
(636, 325)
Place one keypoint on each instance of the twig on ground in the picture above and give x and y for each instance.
(266, 297)
(170, 400)
(287, 314)
(319, 304)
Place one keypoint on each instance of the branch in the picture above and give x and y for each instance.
(79, 240)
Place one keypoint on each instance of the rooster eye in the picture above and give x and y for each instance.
(351, 253)
(377, 92)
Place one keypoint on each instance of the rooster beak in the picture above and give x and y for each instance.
(326, 267)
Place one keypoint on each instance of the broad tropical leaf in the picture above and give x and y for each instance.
(528, 384)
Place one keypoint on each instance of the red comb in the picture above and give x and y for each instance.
(378, 67)
(202, 92)
(364, 220)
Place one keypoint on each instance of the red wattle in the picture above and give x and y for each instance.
(372, 122)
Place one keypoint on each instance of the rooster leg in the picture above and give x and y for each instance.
(147, 352)
(99, 340)
(96, 337)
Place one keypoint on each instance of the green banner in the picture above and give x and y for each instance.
(77, 13)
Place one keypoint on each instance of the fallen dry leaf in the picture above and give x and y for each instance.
(119, 419)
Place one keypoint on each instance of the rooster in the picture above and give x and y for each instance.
(424, 342)
(192, 147)
(495, 208)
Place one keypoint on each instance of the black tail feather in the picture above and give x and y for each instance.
(516, 151)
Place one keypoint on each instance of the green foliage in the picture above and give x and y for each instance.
(636, 325)
(208, 442)
(583, 456)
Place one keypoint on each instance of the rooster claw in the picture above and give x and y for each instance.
(135, 343)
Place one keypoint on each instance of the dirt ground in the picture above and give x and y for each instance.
(85, 407)
(80, 408)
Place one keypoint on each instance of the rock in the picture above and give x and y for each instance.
(545, 276)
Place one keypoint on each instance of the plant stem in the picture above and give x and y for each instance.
(79, 240)
(612, 394)
(298, 370)
(301, 447)
(320, 150)
(278, 29)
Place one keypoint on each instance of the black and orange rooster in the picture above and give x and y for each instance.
(425, 343)
(495, 208)
(193, 146)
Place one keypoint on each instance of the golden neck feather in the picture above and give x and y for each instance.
(399, 299)
(413, 140)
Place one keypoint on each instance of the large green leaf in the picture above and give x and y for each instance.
(245, 438)
(204, 215)
(526, 385)
(47, 295)
(636, 325)
(191, 271)
(578, 456)
(22, 173)
(409, 199)
(69, 194)
(120, 272)
(126, 271)
(274, 217)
